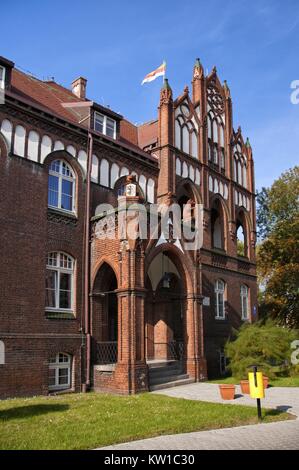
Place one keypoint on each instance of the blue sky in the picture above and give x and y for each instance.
(254, 45)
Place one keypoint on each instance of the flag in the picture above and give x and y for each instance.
(156, 73)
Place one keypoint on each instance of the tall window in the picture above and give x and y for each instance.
(240, 165)
(60, 372)
(217, 227)
(244, 302)
(59, 282)
(2, 77)
(186, 130)
(61, 186)
(105, 125)
(219, 299)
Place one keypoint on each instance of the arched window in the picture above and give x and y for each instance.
(240, 241)
(59, 282)
(242, 238)
(186, 130)
(60, 368)
(61, 186)
(240, 165)
(217, 226)
(219, 299)
(244, 302)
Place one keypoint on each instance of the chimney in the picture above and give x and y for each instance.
(79, 87)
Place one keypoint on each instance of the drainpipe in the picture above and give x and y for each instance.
(86, 386)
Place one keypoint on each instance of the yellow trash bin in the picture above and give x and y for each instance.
(256, 389)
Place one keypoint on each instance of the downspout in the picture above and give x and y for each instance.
(86, 262)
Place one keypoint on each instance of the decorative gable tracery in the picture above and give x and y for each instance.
(216, 122)
(240, 162)
(186, 130)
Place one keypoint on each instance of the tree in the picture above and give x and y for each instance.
(266, 345)
(278, 251)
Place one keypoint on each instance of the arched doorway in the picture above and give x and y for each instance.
(165, 311)
(105, 316)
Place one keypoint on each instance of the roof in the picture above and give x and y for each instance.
(49, 96)
(148, 133)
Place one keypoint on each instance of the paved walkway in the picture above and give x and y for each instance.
(280, 435)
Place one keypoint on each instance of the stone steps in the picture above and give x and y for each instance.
(167, 374)
(174, 383)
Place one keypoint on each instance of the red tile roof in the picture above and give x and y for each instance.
(148, 133)
(128, 132)
(48, 94)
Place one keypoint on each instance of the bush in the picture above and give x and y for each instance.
(265, 345)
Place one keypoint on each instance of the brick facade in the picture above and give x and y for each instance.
(130, 314)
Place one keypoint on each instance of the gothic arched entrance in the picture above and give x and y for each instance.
(165, 311)
(105, 316)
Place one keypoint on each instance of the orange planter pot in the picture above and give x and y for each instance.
(227, 391)
(266, 381)
(245, 387)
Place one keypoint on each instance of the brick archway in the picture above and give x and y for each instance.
(193, 360)
(165, 308)
(105, 315)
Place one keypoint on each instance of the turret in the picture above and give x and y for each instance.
(198, 75)
(166, 181)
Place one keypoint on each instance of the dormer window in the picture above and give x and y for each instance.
(105, 125)
(2, 77)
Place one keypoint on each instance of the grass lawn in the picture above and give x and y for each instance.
(278, 382)
(92, 420)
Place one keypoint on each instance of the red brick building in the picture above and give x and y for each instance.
(79, 311)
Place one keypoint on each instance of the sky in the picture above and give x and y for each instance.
(254, 45)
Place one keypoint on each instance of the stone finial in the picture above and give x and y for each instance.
(198, 69)
(226, 89)
(166, 93)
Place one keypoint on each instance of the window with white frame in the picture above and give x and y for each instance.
(105, 125)
(60, 369)
(244, 302)
(2, 77)
(61, 186)
(219, 299)
(59, 282)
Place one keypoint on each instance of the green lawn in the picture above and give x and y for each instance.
(87, 421)
(278, 382)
